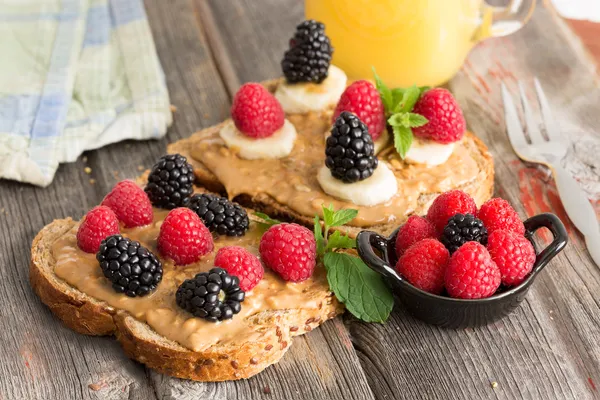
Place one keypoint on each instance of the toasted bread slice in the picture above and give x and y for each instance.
(480, 186)
(222, 361)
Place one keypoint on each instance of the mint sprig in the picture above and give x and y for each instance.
(332, 218)
(398, 104)
(362, 290)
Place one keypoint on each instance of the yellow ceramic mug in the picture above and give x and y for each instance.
(421, 42)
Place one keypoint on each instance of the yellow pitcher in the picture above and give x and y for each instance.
(421, 42)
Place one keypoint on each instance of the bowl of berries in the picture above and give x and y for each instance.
(460, 266)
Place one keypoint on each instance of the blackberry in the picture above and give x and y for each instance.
(463, 228)
(309, 55)
(131, 268)
(219, 214)
(170, 181)
(214, 295)
(349, 149)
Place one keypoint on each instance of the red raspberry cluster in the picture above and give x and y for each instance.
(475, 270)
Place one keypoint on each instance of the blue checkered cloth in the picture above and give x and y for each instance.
(75, 75)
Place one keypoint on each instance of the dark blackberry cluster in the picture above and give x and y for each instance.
(131, 268)
(309, 55)
(463, 228)
(170, 181)
(214, 295)
(219, 214)
(349, 149)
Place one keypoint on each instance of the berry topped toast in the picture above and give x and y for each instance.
(297, 143)
(183, 290)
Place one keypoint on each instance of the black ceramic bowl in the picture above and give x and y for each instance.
(458, 313)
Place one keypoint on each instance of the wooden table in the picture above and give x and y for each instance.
(548, 348)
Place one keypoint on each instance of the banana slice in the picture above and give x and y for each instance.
(429, 152)
(278, 145)
(376, 189)
(299, 98)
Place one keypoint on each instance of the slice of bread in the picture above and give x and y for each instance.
(222, 361)
(480, 186)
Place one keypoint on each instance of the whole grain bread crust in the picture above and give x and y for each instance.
(87, 315)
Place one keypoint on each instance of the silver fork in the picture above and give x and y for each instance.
(550, 153)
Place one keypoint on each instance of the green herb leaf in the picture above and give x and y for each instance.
(328, 215)
(397, 95)
(339, 241)
(266, 220)
(319, 237)
(361, 289)
(403, 138)
(395, 120)
(342, 217)
(384, 92)
(409, 98)
(423, 89)
(416, 120)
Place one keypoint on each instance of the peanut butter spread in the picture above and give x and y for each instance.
(159, 310)
(292, 181)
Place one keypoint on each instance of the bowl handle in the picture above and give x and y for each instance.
(559, 233)
(366, 241)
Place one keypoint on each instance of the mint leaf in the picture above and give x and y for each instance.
(339, 241)
(397, 95)
(403, 138)
(416, 120)
(328, 215)
(342, 217)
(266, 220)
(384, 92)
(400, 119)
(361, 289)
(319, 237)
(409, 98)
(423, 89)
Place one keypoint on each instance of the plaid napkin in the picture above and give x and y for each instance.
(75, 75)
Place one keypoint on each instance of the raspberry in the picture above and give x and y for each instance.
(414, 230)
(361, 98)
(424, 265)
(448, 204)
(130, 203)
(513, 254)
(289, 250)
(98, 223)
(498, 214)
(256, 112)
(446, 122)
(183, 237)
(471, 273)
(240, 262)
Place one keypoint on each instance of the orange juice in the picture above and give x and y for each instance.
(421, 42)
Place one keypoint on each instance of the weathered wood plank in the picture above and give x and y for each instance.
(43, 359)
(545, 349)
